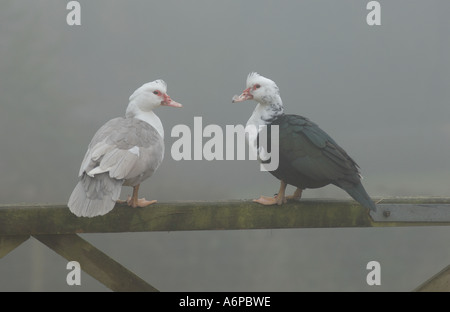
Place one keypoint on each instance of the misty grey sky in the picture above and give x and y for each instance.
(382, 92)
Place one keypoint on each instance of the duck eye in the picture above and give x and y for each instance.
(257, 86)
(156, 92)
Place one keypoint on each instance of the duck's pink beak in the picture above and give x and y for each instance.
(243, 97)
(169, 102)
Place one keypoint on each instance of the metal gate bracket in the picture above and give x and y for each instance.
(411, 213)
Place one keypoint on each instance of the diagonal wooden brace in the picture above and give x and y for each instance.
(9, 243)
(95, 263)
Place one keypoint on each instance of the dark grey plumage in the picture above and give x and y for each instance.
(310, 158)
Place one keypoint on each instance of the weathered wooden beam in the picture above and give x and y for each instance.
(94, 262)
(189, 216)
(9, 243)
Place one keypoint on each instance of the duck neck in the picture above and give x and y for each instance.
(267, 110)
(149, 117)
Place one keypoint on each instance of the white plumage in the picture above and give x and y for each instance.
(124, 151)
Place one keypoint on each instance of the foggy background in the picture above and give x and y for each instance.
(382, 92)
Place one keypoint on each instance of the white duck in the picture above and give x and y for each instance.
(124, 151)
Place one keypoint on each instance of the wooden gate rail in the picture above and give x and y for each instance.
(56, 227)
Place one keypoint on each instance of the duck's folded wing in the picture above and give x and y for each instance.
(312, 152)
(123, 147)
